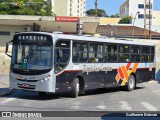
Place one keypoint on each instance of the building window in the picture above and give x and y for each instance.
(141, 6)
(4, 33)
(149, 16)
(148, 6)
(141, 16)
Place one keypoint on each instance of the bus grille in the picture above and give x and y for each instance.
(27, 80)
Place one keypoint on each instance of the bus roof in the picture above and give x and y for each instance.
(94, 39)
(108, 40)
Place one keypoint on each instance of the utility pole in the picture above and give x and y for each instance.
(96, 8)
(150, 18)
(147, 18)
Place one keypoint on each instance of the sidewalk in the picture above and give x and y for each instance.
(4, 84)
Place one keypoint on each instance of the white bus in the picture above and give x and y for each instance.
(47, 62)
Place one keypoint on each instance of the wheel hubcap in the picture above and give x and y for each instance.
(131, 83)
(77, 87)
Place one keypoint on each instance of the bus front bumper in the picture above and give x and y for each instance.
(36, 85)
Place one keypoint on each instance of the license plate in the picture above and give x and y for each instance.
(25, 85)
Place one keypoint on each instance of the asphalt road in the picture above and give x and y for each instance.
(145, 97)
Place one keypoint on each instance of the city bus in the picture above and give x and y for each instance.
(58, 63)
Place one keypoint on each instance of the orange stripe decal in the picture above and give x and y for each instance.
(125, 72)
(135, 67)
(118, 77)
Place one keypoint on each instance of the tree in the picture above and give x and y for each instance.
(25, 7)
(115, 16)
(125, 20)
(101, 12)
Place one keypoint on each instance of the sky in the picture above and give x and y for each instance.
(112, 6)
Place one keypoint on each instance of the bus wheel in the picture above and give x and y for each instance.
(75, 88)
(41, 93)
(131, 83)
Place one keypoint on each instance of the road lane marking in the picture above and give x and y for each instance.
(125, 105)
(101, 106)
(7, 100)
(149, 106)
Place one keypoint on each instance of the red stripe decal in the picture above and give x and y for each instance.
(120, 73)
(128, 66)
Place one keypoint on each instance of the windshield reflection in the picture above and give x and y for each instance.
(32, 57)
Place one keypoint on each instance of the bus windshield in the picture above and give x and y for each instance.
(32, 56)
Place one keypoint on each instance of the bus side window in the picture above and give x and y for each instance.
(75, 51)
(75, 57)
(110, 53)
(124, 55)
(146, 54)
(62, 54)
(135, 53)
(96, 52)
(79, 51)
(152, 54)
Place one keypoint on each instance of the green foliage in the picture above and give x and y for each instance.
(92, 12)
(125, 20)
(25, 7)
(115, 16)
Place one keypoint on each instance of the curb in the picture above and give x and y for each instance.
(7, 93)
(153, 81)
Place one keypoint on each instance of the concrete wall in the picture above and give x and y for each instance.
(106, 21)
(140, 23)
(156, 18)
(4, 60)
(61, 7)
(78, 6)
(8, 28)
(69, 8)
(124, 9)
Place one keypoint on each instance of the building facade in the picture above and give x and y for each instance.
(135, 9)
(132, 7)
(68, 7)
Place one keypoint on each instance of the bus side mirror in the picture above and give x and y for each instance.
(7, 46)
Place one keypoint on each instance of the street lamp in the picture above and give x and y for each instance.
(134, 22)
(114, 28)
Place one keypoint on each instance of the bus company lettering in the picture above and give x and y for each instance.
(95, 68)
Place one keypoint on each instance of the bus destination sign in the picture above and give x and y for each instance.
(32, 38)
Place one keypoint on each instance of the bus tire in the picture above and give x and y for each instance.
(75, 88)
(131, 83)
(41, 93)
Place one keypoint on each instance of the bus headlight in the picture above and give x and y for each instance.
(48, 77)
(12, 78)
